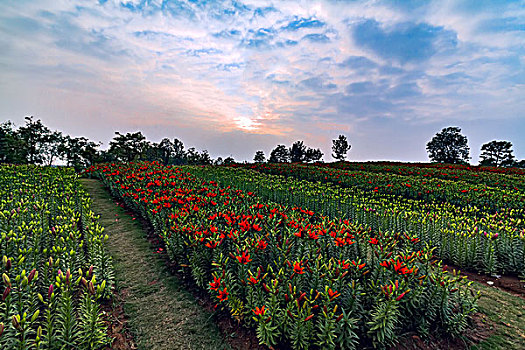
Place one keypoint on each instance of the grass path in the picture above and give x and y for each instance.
(162, 314)
(507, 313)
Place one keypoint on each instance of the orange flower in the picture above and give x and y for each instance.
(333, 294)
(298, 269)
(259, 312)
(223, 294)
(244, 258)
(215, 284)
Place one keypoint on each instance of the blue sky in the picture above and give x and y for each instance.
(234, 77)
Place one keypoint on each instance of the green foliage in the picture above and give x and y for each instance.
(340, 147)
(51, 246)
(449, 146)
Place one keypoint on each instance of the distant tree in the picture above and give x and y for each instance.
(497, 153)
(259, 157)
(179, 156)
(33, 135)
(229, 161)
(297, 152)
(520, 164)
(195, 158)
(192, 156)
(205, 158)
(11, 146)
(218, 161)
(279, 154)
(128, 147)
(49, 148)
(313, 155)
(449, 146)
(340, 147)
(78, 152)
(166, 150)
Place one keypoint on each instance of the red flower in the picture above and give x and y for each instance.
(259, 312)
(244, 258)
(215, 284)
(253, 280)
(333, 294)
(223, 294)
(374, 241)
(262, 245)
(298, 269)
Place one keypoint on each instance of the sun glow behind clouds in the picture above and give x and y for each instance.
(267, 68)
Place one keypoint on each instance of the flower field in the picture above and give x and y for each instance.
(493, 193)
(301, 277)
(470, 238)
(55, 269)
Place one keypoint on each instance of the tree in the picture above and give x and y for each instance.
(11, 146)
(340, 147)
(520, 164)
(279, 154)
(229, 161)
(49, 148)
(178, 154)
(78, 152)
(297, 152)
(497, 153)
(449, 146)
(33, 136)
(259, 157)
(128, 147)
(313, 155)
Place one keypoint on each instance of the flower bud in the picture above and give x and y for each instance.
(6, 280)
(6, 293)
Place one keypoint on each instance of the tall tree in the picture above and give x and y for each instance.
(51, 143)
(313, 155)
(78, 152)
(33, 135)
(297, 152)
(179, 156)
(229, 161)
(128, 147)
(279, 154)
(340, 147)
(167, 150)
(449, 146)
(497, 153)
(259, 157)
(11, 146)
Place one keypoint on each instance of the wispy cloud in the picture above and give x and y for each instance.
(267, 70)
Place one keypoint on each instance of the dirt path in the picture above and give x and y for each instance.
(162, 314)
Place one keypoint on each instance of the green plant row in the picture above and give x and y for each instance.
(432, 190)
(301, 279)
(55, 268)
(465, 237)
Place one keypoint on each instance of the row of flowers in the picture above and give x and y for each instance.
(299, 278)
(429, 189)
(54, 267)
(466, 237)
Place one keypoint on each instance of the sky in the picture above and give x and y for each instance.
(234, 77)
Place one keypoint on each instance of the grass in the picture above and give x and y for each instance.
(507, 313)
(162, 313)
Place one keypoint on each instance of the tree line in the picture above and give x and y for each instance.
(450, 146)
(35, 143)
